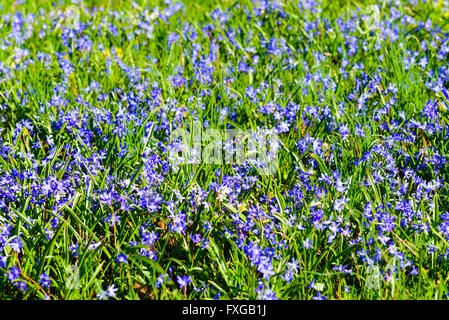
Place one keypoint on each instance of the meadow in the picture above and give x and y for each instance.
(94, 205)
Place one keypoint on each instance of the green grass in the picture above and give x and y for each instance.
(116, 141)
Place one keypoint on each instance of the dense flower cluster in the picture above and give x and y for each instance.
(89, 96)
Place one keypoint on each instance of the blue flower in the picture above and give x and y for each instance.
(45, 280)
(340, 203)
(183, 281)
(319, 296)
(121, 257)
(22, 285)
(160, 280)
(307, 244)
(13, 274)
(268, 294)
(110, 292)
